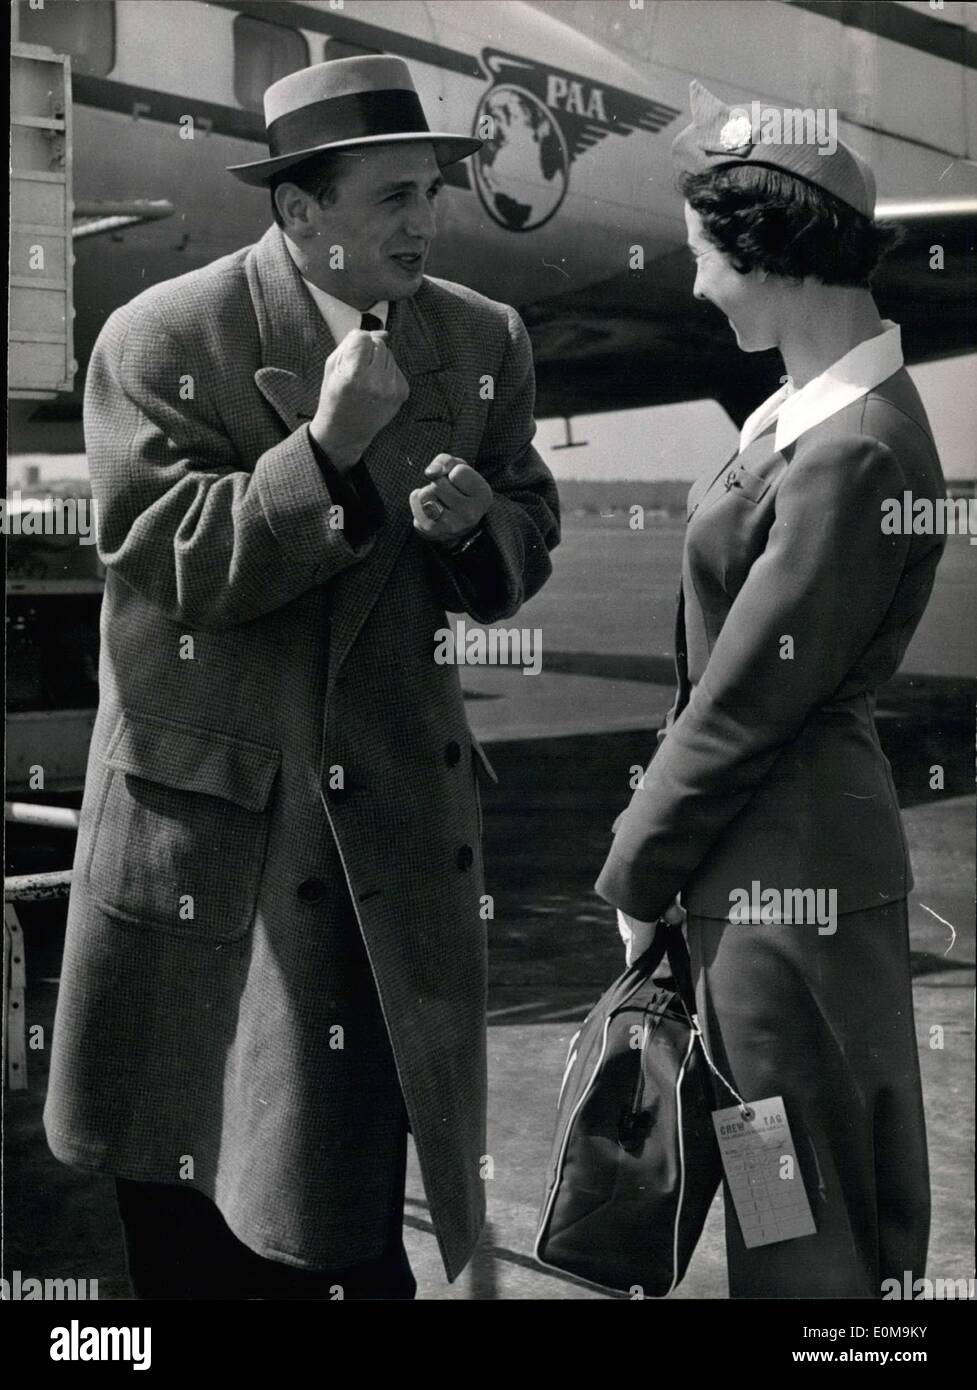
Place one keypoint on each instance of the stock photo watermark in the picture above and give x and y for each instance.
(910, 1288)
(759, 124)
(928, 516)
(25, 1288)
(492, 646)
(770, 907)
(78, 1343)
(49, 516)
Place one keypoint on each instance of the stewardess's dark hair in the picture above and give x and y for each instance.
(766, 219)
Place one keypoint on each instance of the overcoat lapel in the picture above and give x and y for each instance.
(295, 343)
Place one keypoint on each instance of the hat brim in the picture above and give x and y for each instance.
(448, 149)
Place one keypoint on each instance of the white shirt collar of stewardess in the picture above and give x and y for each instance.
(866, 366)
(341, 318)
(757, 422)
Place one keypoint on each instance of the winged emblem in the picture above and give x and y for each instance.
(535, 121)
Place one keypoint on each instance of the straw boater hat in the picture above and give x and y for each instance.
(342, 105)
(720, 136)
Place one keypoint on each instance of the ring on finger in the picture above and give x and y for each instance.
(433, 509)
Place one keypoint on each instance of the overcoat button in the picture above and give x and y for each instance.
(452, 753)
(466, 857)
(313, 890)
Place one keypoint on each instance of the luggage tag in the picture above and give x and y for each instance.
(762, 1172)
(760, 1163)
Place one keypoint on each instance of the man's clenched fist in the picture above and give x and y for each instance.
(362, 390)
(453, 504)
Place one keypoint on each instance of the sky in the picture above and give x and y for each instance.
(679, 441)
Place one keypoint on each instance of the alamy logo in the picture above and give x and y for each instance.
(767, 907)
(930, 516)
(909, 1288)
(49, 516)
(26, 1287)
(492, 646)
(78, 1343)
(775, 125)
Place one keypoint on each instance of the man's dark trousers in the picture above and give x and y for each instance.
(178, 1246)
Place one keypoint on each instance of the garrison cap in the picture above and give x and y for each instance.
(800, 142)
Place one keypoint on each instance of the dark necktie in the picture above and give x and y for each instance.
(370, 323)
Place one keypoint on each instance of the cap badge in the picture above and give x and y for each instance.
(736, 134)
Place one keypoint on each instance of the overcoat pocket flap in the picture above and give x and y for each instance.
(194, 759)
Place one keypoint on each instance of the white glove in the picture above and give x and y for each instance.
(638, 936)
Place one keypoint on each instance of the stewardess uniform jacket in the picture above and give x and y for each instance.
(272, 719)
(795, 605)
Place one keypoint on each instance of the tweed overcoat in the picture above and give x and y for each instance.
(795, 605)
(272, 720)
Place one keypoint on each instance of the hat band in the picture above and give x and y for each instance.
(389, 112)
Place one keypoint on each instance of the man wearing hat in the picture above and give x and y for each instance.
(769, 805)
(275, 956)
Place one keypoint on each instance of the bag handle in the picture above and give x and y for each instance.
(669, 940)
(678, 959)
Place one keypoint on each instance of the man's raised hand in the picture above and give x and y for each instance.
(450, 506)
(362, 390)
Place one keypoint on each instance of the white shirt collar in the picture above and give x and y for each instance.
(341, 318)
(866, 366)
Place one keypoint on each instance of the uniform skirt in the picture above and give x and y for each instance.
(826, 1022)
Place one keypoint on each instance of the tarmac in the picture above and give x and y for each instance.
(530, 1028)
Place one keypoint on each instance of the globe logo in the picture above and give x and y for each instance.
(521, 172)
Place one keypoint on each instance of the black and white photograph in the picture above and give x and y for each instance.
(491, 564)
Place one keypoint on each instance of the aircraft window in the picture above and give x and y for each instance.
(339, 48)
(86, 32)
(264, 52)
